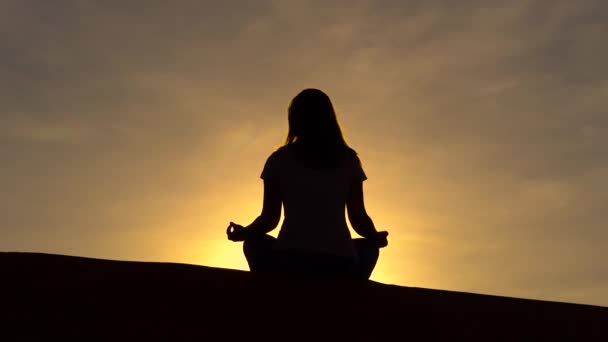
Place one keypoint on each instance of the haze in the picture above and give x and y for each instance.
(138, 129)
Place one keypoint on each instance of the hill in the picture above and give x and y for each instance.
(48, 295)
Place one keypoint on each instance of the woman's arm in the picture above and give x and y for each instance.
(357, 215)
(271, 209)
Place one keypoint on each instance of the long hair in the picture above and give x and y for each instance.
(314, 130)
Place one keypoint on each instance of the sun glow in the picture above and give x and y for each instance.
(214, 250)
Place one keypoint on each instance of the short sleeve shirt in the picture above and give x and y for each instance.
(314, 201)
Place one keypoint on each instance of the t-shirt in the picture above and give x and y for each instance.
(314, 202)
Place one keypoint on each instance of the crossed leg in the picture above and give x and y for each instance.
(261, 257)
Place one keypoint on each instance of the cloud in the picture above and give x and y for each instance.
(480, 125)
(48, 133)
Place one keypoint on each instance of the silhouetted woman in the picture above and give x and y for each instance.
(314, 175)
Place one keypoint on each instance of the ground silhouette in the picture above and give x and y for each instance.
(47, 295)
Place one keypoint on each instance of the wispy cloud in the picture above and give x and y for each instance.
(481, 125)
(46, 132)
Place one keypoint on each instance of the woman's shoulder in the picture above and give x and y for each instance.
(352, 155)
(281, 151)
(351, 152)
(345, 154)
(274, 162)
(279, 154)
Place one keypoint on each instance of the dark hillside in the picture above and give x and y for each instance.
(56, 296)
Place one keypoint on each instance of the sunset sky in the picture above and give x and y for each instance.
(137, 130)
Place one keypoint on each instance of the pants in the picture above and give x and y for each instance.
(261, 257)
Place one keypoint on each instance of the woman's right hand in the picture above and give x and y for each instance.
(381, 239)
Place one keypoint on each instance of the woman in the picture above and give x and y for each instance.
(314, 175)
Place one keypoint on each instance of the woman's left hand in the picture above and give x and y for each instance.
(236, 232)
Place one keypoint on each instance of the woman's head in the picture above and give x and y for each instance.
(312, 119)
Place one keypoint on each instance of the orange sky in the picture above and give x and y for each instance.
(138, 129)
